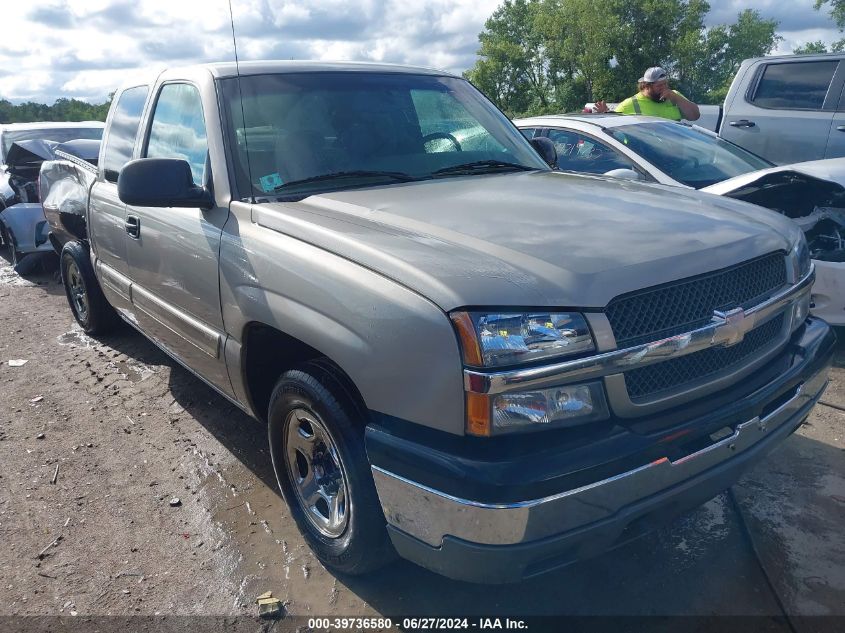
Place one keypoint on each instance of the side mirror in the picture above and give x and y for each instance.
(161, 182)
(546, 149)
(624, 174)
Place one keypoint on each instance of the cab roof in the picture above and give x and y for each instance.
(228, 69)
(223, 70)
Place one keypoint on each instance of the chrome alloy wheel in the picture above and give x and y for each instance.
(76, 288)
(316, 473)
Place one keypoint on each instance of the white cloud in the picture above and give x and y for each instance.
(84, 48)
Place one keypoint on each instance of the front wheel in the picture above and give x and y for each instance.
(317, 447)
(90, 307)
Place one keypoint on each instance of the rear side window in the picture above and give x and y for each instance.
(794, 86)
(123, 131)
(178, 128)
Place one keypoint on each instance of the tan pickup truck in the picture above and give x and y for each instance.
(462, 357)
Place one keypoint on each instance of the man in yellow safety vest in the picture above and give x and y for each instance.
(655, 98)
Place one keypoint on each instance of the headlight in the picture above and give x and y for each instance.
(544, 408)
(535, 410)
(800, 259)
(516, 338)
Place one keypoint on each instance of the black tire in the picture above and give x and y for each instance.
(363, 544)
(90, 307)
(6, 238)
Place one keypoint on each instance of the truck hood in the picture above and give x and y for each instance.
(531, 239)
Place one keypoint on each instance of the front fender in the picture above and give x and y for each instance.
(397, 346)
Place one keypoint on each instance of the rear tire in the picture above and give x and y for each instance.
(90, 307)
(317, 447)
(14, 255)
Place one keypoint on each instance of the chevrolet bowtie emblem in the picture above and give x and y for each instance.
(733, 328)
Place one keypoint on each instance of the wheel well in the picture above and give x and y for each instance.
(268, 353)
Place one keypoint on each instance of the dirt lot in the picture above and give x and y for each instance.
(123, 430)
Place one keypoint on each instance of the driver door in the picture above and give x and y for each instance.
(173, 252)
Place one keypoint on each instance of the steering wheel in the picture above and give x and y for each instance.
(444, 135)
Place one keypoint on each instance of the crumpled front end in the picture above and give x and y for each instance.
(817, 206)
(65, 184)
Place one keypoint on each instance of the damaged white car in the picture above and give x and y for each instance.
(655, 150)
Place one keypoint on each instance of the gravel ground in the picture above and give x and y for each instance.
(125, 432)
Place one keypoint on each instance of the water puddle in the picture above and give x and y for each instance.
(76, 338)
(272, 554)
(133, 370)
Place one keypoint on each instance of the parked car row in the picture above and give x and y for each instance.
(464, 357)
(23, 148)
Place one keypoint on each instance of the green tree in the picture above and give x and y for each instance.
(837, 12)
(551, 55)
(749, 36)
(512, 64)
(63, 109)
(810, 48)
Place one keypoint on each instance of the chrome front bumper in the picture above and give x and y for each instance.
(429, 515)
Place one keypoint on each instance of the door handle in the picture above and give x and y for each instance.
(742, 123)
(133, 226)
(841, 128)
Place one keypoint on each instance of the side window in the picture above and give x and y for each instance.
(582, 153)
(528, 132)
(178, 128)
(794, 86)
(123, 131)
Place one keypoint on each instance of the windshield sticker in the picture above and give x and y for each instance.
(270, 182)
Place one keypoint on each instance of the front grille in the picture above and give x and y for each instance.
(682, 306)
(648, 382)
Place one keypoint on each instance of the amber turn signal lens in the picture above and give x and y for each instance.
(478, 414)
(469, 342)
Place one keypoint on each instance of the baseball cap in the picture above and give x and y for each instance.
(655, 73)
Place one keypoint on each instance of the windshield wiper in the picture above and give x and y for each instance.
(481, 166)
(398, 176)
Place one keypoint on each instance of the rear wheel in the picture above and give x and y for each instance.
(89, 306)
(317, 446)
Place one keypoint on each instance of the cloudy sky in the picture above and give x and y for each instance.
(83, 48)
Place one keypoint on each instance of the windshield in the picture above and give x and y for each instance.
(58, 134)
(321, 131)
(688, 155)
